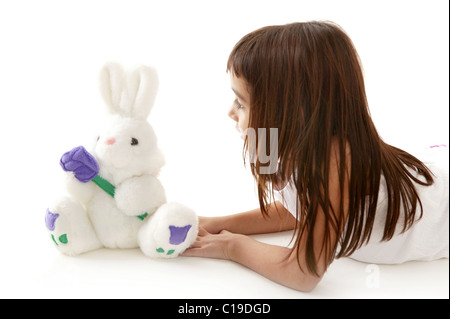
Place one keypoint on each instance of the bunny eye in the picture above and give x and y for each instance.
(134, 141)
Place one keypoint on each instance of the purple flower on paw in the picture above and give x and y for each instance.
(178, 234)
(50, 220)
(79, 161)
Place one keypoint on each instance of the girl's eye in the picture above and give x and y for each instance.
(237, 105)
(134, 141)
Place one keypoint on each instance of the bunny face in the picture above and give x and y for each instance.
(127, 144)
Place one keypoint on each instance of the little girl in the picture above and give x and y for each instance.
(338, 185)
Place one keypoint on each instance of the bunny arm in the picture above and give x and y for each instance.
(138, 195)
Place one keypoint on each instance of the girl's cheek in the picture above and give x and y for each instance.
(243, 122)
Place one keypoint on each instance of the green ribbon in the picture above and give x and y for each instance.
(105, 185)
(110, 190)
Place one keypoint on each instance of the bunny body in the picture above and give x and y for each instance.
(127, 155)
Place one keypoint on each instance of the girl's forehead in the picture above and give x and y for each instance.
(240, 87)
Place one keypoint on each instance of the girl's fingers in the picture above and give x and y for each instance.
(202, 231)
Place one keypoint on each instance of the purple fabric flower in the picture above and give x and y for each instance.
(50, 220)
(79, 161)
(178, 234)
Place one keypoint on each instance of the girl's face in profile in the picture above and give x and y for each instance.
(240, 110)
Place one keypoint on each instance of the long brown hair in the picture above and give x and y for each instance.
(306, 80)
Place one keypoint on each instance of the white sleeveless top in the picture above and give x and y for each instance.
(427, 239)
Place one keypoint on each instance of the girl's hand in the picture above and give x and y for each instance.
(212, 225)
(211, 245)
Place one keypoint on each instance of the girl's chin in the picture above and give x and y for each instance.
(241, 134)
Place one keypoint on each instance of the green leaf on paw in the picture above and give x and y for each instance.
(63, 239)
(54, 240)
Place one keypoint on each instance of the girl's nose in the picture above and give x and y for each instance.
(232, 114)
(110, 141)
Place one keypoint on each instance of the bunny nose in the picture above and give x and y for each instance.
(110, 141)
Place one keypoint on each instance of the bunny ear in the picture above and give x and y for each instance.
(142, 86)
(129, 94)
(112, 82)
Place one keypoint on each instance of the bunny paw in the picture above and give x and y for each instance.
(177, 237)
(169, 232)
(69, 228)
(50, 221)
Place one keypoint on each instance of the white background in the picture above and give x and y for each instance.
(50, 55)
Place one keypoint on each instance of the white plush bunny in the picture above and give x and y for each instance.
(114, 198)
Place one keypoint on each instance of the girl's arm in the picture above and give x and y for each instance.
(251, 222)
(270, 261)
(225, 238)
(281, 264)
